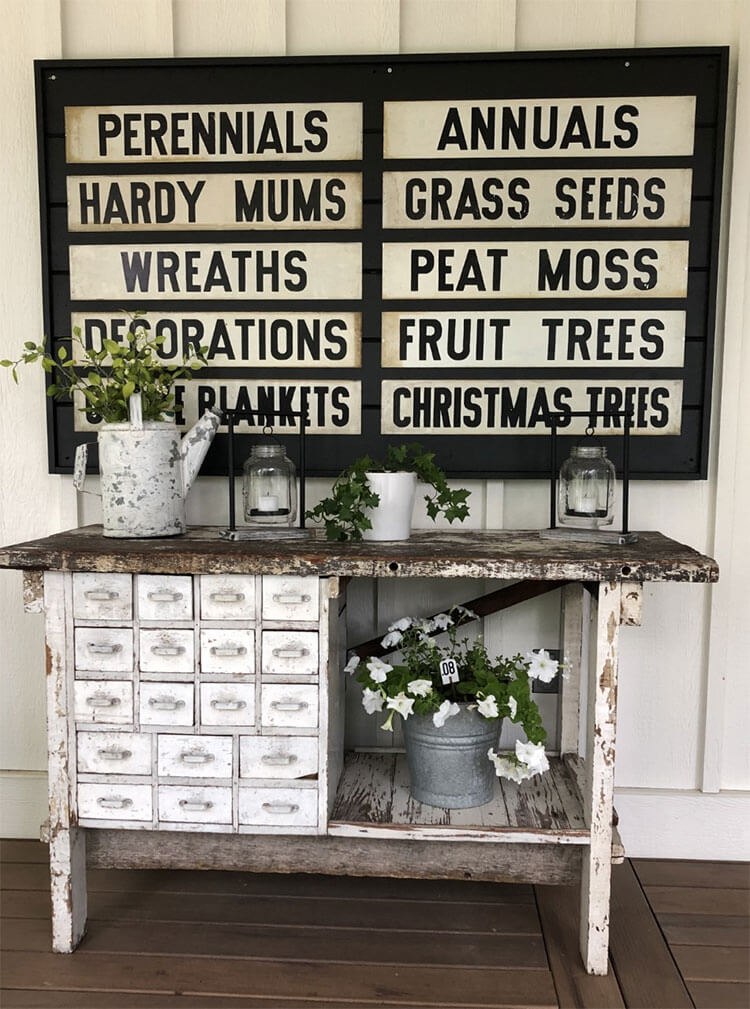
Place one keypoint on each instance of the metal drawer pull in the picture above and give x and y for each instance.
(116, 802)
(289, 705)
(281, 807)
(228, 705)
(165, 703)
(101, 595)
(228, 651)
(115, 754)
(227, 597)
(169, 650)
(196, 757)
(98, 649)
(195, 806)
(102, 701)
(164, 596)
(291, 600)
(290, 653)
(278, 760)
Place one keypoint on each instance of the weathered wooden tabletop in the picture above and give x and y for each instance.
(507, 554)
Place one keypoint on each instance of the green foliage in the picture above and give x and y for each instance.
(344, 512)
(106, 378)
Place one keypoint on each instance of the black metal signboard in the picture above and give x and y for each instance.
(440, 249)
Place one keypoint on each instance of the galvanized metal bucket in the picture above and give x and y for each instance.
(449, 766)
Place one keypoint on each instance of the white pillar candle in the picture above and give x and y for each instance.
(268, 503)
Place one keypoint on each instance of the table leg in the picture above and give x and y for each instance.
(600, 766)
(67, 845)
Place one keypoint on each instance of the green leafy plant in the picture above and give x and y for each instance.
(498, 687)
(344, 512)
(106, 378)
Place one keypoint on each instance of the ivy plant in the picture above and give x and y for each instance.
(344, 511)
(107, 377)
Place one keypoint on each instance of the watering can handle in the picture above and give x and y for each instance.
(79, 466)
(135, 408)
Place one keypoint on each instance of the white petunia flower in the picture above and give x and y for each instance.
(441, 622)
(402, 704)
(372, 700)
(512, 706)
(378, 669)
(352, 664)
(420, 688)
(463, 611)
(541, 666)
(488, 707)
(446, 710)
(401, 625)
(392, 639)
(506, 767)
(533, 756)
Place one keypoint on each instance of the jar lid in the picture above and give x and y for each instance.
(265, 451)
(588, 451)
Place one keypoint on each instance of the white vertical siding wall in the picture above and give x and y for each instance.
(683, 771)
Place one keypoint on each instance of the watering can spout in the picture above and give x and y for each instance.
(195, 445)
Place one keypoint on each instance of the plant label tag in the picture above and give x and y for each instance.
(449, 671)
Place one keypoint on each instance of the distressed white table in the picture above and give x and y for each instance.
(195, 712)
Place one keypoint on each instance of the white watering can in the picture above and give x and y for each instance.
(146, 472)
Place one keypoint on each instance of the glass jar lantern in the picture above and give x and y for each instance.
(586, 488)
(269, 487)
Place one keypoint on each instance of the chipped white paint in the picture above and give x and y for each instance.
(147, 471)
(632, 604)
(599, 780)
(571, 649)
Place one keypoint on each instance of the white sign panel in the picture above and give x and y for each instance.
(238, 340)
(432, 406)
(214, 202)
(328, 131)
(584, 339)
(268, 271)
(451, 270)
(643, 198)
(654, 126)
(334, 407)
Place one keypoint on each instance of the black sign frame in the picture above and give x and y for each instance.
(373, 80)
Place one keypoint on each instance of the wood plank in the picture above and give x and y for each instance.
(558, 911)
(645, 969)
(46, 999)
(322, 944)
(700, 900)
(679, 872)
(365, 983)
(719, 995)
(430, 916)
(712, 963)
(705, 929)
(36, 877)
(20, 850)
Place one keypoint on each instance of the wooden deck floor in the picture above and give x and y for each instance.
(212, 939)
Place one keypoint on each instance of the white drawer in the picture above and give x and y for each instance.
(289, 653)
(114, 752)
(102, 596)
(107, 701)
(278, 807)
(114, 802)
(227, 597)
(227, 703)
(224, 650)
(165, 597)
(289, 705)
(278, 756)
(290, 597)
(165, 651)
(204, 804)
(194, 756)
(166, 703)
(104, 649)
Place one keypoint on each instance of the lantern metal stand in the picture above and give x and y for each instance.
(591, 535)
(272, 532)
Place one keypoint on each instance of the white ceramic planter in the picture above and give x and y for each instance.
(391, 519)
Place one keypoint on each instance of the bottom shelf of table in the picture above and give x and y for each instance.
(373, 800)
